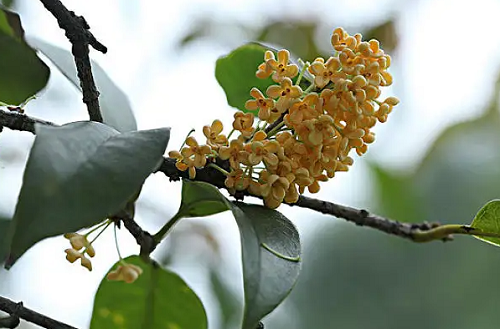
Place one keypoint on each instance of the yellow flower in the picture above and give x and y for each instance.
(341, 40)
(274, 189)
(325, 72)
(286, 91)
(281, 67)
(127, 273)
(183, 163)
(196, 152)
(314, 187)
(264, 105)
(264, 71)
(72, 255)
(237, 180)
(301, 110)
(320, 129)
(79, 241)
(233, 153)
(262, 151)
(243, 122)
(213, 134)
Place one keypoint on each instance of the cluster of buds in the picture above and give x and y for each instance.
(303, 137)
(79, 242)
(125, 272)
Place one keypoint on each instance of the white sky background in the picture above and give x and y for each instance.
(445, 67)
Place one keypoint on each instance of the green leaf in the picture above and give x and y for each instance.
(236, 74)
(4, 230)
(79, 174)
(488, 220)
(270, 246)
(22, 73)
(201, 199)
(157, 299)
(115, 106)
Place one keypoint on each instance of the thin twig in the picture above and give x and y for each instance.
(77, 32)
(357, 216)
(21, 122)
(25, 313)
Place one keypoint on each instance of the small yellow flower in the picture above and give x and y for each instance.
(233, 153)
(286, 91)
(342, 40)
(302, 110)
(264, 71)
(196, 152)
(320, 129)
(264, 105)
(237, 180)
(259, 151)
(326, 72)
(243, 122)
(281, 67)
(72, 255)
(126, 272)
(274, 189)
(79, 241)
(213, 134)
(182, 163)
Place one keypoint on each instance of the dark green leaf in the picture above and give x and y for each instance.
(270, 246)
(236, 74)
(201, 199)
(115, 107)
(157, 299)
(488, 220)
(79, 174)
(4, 230)
(22, 73)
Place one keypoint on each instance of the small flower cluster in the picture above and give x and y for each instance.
(303, 137)
(79, 242)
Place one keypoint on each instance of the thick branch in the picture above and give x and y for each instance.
(77, 32)
(19, 311)
(359, 217)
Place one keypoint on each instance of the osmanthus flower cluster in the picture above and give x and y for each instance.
(300, 137)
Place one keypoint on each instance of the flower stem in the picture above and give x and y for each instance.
(184, 143)
(160, 235)
(116, 244)
(304, 68)
(275, 129)
(216, 167)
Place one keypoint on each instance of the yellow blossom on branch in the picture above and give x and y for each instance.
(302, 138)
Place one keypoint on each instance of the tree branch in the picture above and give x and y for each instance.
(359, 217)
(17, 310)
(21, 122)
(77, 32)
